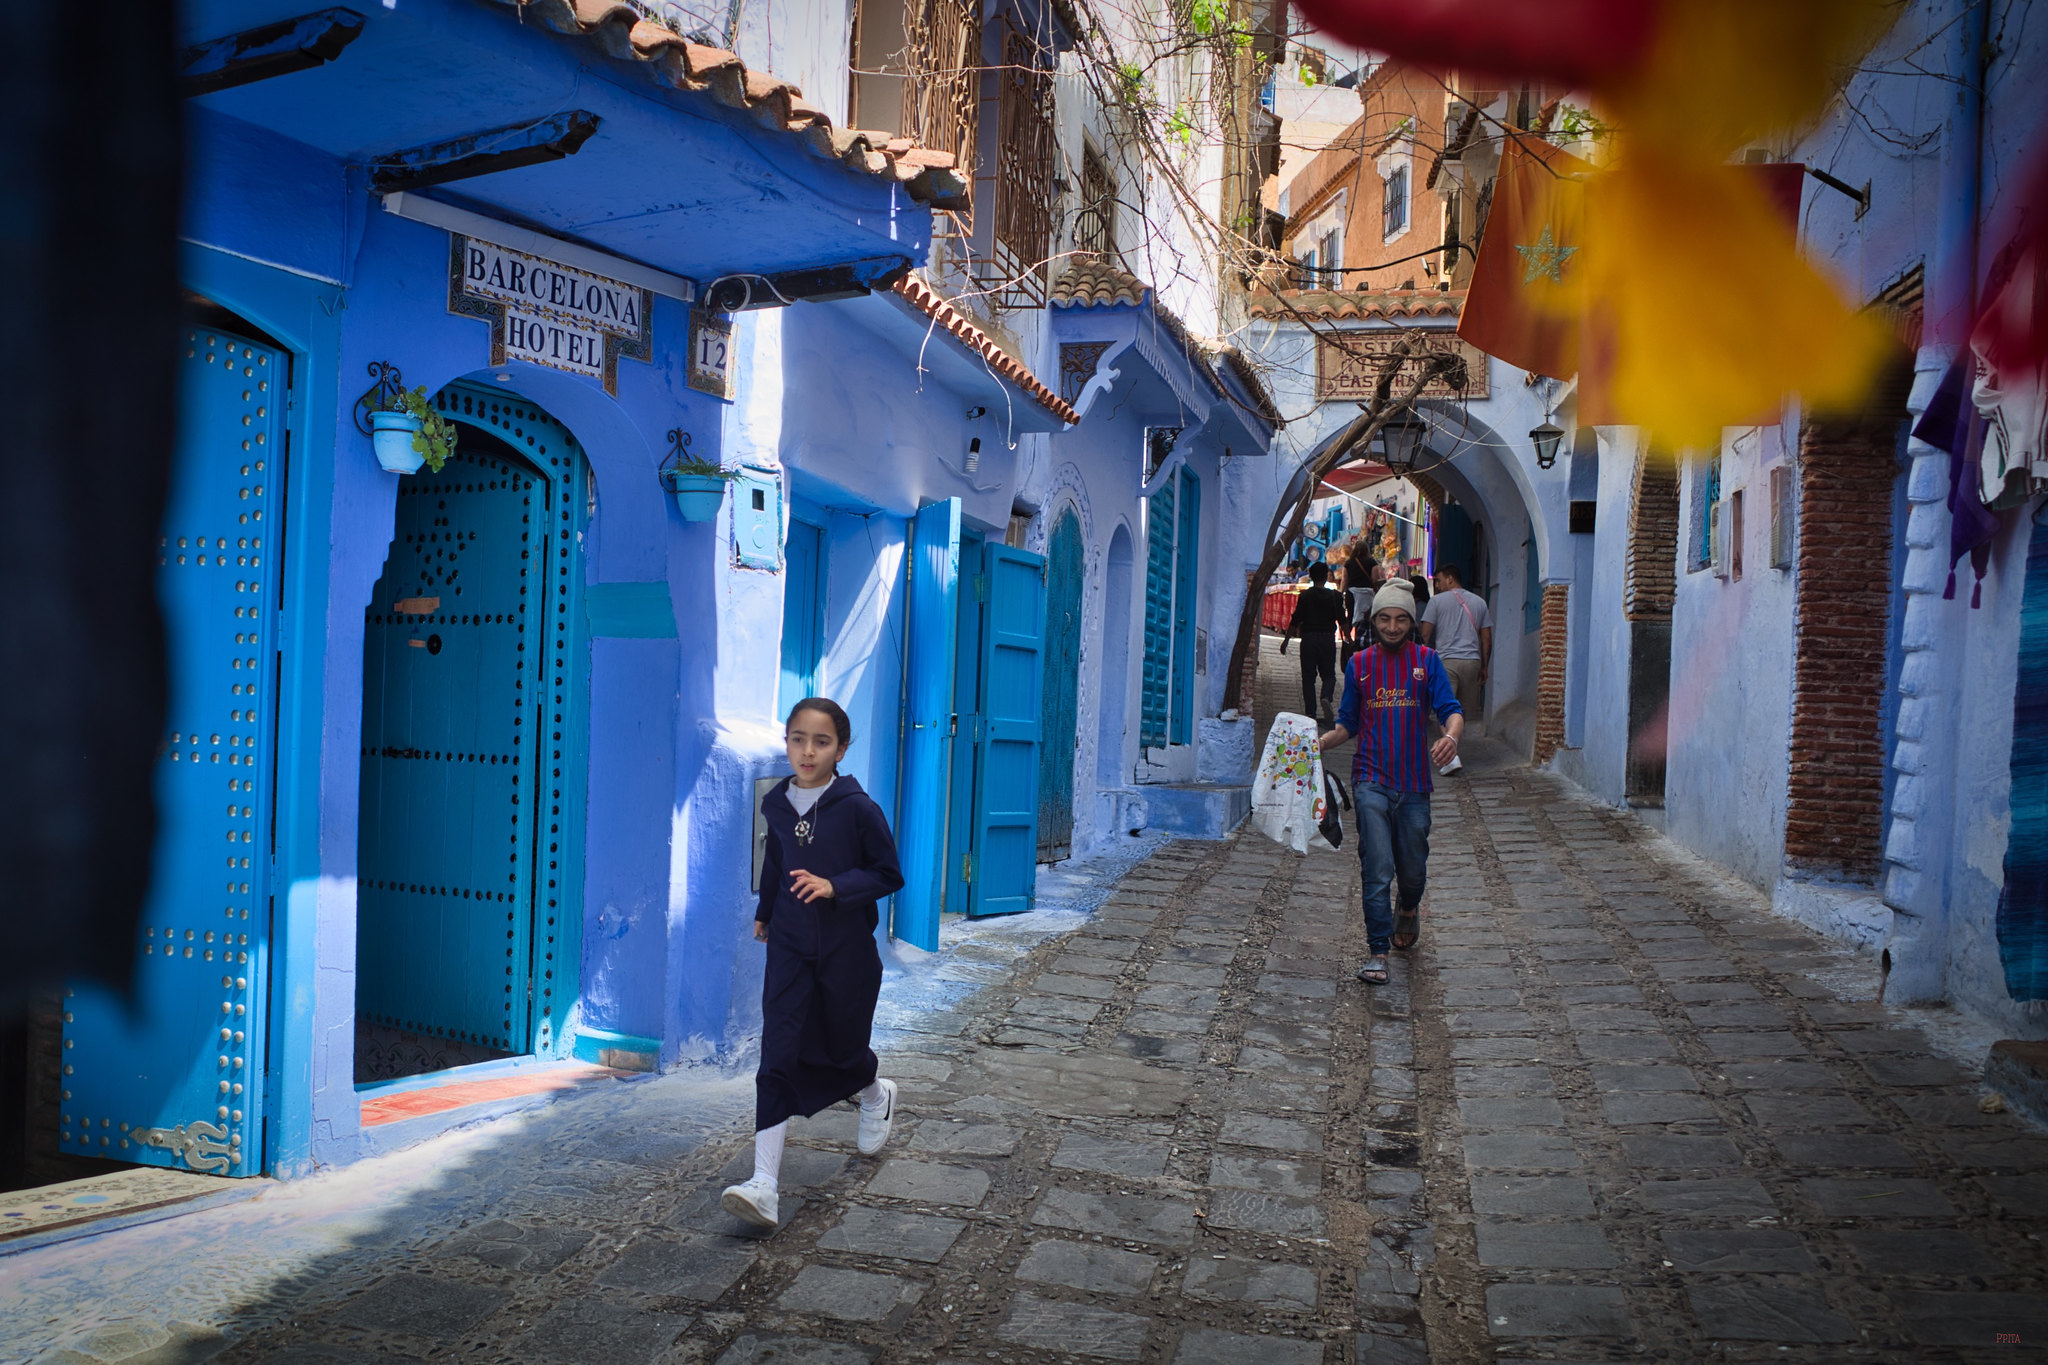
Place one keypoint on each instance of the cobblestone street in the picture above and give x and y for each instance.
(1608, 1111)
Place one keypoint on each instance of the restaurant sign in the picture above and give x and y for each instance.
(546, 313)
(1348, 365)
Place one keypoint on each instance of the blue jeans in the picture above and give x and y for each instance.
(1393, 850)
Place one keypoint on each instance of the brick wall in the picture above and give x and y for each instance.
(1652, 561)
(1835, 799)
(1550, 644)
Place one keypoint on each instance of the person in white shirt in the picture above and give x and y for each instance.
(1458, 626)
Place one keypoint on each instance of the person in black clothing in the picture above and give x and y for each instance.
(1319, 613)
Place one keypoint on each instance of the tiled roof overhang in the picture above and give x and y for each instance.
(1335, 306)
(950, 320)
(622, 31)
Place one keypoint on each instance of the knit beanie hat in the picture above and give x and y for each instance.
(1397, 595)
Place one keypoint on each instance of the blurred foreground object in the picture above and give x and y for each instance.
(88, 243)
(1693, 307)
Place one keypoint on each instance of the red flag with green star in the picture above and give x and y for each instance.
(1525, 303)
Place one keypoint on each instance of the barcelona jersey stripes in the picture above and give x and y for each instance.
(1384, 696)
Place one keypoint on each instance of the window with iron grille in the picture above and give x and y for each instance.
(942, 56)
(1095, 228)
(1394, 204)
(1015, 269)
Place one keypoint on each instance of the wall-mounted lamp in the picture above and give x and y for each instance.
(974, 453)
(503, 377)
(1546, 438)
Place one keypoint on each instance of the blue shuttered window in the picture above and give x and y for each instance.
(1156, 683)
(1187, 554)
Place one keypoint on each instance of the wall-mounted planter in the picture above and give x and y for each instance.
(391, 436)
(698, 496)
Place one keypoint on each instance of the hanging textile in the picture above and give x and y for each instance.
(1952, 423)
(2023, 900)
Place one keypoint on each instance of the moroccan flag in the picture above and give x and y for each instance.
(1526, 304)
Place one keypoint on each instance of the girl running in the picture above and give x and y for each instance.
(830, 858)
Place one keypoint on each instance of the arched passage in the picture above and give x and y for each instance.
(1110, 769)
(472, 673)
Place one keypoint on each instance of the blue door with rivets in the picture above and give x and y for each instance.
(469, 681)
(175, 1077)
(1156, 685)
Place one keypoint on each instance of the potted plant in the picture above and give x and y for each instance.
(699, 486)
(408, 433)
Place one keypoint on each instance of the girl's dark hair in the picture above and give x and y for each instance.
(830, 710)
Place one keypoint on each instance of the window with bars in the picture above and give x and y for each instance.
(1014, 269)
(1394, 204)
(916, 74)
(1095, 228)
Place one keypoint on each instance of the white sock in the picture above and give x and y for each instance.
(871, 1098)
(768, 1152)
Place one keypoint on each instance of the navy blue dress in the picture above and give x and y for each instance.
(824, 974)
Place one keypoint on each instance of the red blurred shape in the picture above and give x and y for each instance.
(1577, 42)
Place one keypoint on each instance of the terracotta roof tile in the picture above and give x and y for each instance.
(620, 30)
(1336, 305)
(1093, 282)
(951, 320)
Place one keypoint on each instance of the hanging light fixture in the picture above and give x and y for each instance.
(1546, 438)
(1401, 437)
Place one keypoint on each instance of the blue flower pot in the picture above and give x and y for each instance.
(391, 436)
(698, 496)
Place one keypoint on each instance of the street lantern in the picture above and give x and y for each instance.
(1401, 439)
(1546, 438)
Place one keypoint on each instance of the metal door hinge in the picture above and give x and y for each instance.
(203, 1146)
(967, 867)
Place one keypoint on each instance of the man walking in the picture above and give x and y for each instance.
(1318, 616)
(1387, 688)
(1457, 625)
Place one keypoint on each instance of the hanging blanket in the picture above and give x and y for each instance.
(1287, 794)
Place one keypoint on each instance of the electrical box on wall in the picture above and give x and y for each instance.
(757, 519)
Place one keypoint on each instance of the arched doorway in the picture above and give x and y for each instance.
(1061, 708)
(1115, 685)
(471, 703)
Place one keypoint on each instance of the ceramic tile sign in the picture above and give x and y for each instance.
(547, 313)
(711, 354)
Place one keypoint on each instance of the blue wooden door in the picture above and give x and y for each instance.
(466, 688)
(964, 742)
(1061, 724)
(802, 621)
(1186, 556)
(176, 1079)
(928, 714)
(1006, 753)
(1156, 681)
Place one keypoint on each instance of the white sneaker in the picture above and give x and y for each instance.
(753, 1203)
(875, 1123)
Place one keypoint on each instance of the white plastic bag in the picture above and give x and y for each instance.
(1287, 794)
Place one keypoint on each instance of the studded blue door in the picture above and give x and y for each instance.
(1061, 725)
(928, 714)
(1186, 561)
(179, 1080)
(1006, 752)
(466, 848)
(1156, 683)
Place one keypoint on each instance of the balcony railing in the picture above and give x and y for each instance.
(943, 55)
(1015, 270)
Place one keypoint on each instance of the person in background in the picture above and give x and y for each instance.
(1459, 627)
(1421, 587)
(1318, 617)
